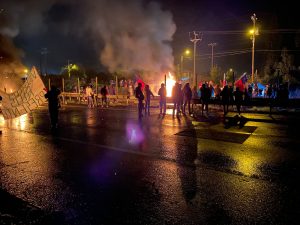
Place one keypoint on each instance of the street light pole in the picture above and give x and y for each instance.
(195, 36)
(254, 32)
(212, 45)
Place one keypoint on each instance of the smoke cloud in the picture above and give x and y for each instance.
(130, 35)
(136, 36)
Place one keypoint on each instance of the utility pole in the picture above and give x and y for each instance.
(253, 32)
(195, 36)
(212, 45)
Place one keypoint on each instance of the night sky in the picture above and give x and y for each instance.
(80, 31)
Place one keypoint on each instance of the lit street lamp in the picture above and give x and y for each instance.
(253, 33)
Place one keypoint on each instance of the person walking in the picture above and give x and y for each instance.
(148, 94)
(162, 99)
(53, 105)
(140, 96)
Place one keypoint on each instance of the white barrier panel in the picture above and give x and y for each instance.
(26, 99)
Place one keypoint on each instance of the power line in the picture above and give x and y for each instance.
(236, 32)
(239, 52)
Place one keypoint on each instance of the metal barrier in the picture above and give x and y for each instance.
(80, 98)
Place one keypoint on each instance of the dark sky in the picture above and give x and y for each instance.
(69, 30)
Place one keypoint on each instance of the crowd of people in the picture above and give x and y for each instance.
(183, 97)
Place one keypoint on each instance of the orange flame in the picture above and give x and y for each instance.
(170, 83)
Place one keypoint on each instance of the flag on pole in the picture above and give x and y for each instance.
(240, 83)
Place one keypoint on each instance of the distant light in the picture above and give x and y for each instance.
(74, 67)
(187, 52)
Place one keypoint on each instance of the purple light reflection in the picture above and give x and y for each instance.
(134, 133)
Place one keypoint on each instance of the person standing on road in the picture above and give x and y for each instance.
(238, 99)
(187, 96)
(205, 97)
(140, 96)
(148, 94)
(162, 99)
(225, 99)
(53, 105)
(176, 99)
(90, 96)
(104, 93)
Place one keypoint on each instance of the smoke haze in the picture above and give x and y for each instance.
(129, 35)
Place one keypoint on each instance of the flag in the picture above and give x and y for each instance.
(240, 83)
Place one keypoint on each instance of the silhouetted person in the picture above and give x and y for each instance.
(162, 99)
(225, 99)
(205, 97)
(104, 93)
(176, 98)
(187, 96)
(238, 99)
(140, 96)
(53, 105)
(148, 94)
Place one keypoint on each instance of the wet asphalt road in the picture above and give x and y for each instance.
(103, 166)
